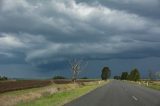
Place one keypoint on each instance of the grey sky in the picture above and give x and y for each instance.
(44, 34)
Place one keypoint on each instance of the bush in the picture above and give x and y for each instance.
(59, 77)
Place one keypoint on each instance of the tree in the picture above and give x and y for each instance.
(134, 75)
(117, 77)
(77, 65)
(158, 75)
(106, 73)
(124, 76)
(151, 75)
(3, 78)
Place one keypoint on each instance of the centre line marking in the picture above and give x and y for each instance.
(134, 98)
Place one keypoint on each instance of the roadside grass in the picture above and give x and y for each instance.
(154, 86)
(60, 98)
(151, 84)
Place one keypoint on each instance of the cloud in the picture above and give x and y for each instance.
(52, 31)
(10, 41)
(6, 54)
(146, 8)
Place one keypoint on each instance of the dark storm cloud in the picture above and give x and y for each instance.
(8, 58)
(51, 31)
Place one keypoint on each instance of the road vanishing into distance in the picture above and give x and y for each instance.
(119, 93)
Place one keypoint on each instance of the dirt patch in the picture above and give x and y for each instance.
(18, 85)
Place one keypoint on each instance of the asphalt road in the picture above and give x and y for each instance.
(118, 93)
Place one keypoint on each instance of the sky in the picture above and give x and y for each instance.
(39, 37)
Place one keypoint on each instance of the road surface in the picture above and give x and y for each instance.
(119, 93)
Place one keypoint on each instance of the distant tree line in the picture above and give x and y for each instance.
(117, 77)
(84, 78)
(3, 78)
(134, 75)
(59, 77)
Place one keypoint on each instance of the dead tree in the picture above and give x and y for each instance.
(77, 65)
(158, 75)
(151, 75)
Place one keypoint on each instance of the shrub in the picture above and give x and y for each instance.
(59, 77)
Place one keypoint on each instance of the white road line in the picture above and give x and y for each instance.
(134, 98)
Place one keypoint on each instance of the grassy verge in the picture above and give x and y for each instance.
(153, 84)
(61, 98)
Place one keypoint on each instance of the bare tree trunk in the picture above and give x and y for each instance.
(76, 67)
